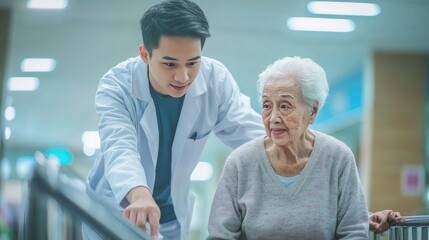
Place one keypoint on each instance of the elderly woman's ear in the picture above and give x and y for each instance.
(314, 111)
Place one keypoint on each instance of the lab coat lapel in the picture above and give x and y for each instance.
(150, 128)
(190, 111)
(148, 122)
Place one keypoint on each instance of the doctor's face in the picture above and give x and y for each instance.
(174, 65)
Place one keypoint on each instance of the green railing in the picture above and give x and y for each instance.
(56, 204)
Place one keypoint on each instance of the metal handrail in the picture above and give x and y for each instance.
(53, 183)
(410, 227)
(413, 221)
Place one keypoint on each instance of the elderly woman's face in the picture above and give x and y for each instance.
(285, 114)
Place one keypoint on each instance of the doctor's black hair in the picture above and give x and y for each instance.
(173, 18)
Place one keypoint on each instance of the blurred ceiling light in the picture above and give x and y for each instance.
(320, 24)
(47, 4)
(202, 172)
(23, 84)
(6, 168)
(9, 113)
(91, 139)
(88, 151)
(344, 8)
(7, 133)
(38, 65)
(63, 155)
(24, 166)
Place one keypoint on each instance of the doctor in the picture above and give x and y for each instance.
(156, 112)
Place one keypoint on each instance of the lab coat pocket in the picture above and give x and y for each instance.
(187, 161)
(195, 136)
(193, 149)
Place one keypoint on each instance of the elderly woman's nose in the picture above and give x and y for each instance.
(275, 115)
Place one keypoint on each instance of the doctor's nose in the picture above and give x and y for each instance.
(181, 75)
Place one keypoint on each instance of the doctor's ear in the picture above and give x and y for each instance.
(144, 54)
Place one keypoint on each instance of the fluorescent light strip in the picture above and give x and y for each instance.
(344, 8)
(47, 4)
(320, 24)
(38, 65)
(23, 84)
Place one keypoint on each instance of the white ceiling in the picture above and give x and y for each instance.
(89, 37)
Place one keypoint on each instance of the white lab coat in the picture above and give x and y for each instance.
(129, 132)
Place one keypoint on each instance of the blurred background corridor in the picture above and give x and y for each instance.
(53, 53)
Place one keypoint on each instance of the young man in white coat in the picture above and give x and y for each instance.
(156, 112)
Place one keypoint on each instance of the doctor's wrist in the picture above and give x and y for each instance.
(138, 193)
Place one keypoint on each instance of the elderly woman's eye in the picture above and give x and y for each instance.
(284, 106)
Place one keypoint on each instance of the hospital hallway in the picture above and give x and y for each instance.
(55, 56)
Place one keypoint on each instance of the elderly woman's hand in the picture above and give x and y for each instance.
(380, 221)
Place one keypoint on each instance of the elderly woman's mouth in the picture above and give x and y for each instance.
(278, 131)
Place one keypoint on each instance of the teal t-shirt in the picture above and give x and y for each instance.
(168, 112)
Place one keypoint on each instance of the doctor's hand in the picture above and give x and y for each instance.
(380, 221)
(143, 209)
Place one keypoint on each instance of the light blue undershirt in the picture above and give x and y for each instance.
(287, 181)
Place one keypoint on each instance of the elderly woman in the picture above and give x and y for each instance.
(294, 182)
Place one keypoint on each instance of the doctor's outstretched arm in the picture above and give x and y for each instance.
(143, 209)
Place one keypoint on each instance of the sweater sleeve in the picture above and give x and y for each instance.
(352, 215)
(225, 214)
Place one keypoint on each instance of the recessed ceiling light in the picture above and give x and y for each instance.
(47, 4)
(344, 8)
(38, 65)
(23, 84)
(320, 24)
(9, 113)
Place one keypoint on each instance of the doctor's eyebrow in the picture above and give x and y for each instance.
(175, 59)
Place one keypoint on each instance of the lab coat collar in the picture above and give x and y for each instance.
(140, 83)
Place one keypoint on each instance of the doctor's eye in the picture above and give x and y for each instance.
(191, 64)
(169, 65)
